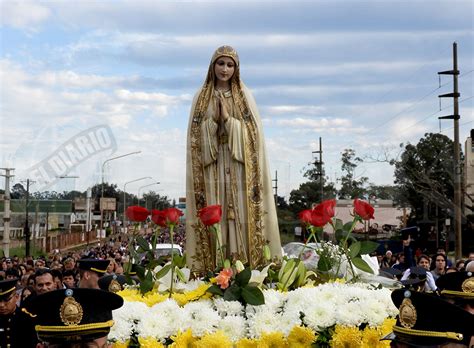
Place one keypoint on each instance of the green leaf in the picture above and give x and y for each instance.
(347, 227)
(163, 271)
(368, 247)
(243, 277)
(179, 260)
(354, 249)
(140, 271)
(338, 224)
(232, 293)
(146, 286)
(324, 264)
(142, 243)
(215, 290)
(253, 295)
(362, 265)
(152, 264)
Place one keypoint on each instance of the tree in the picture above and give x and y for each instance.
(309, 193)
(351, 186)
(383, 192)
(155, 201)
(18, 191)
(424, 178)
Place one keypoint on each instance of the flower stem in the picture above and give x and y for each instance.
(216, 230)
(172, 260)
(344, 247)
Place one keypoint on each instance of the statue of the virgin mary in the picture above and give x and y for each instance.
(227, 165)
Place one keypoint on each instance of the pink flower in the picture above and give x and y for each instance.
(224, 277)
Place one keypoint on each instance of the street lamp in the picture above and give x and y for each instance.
(102, 181)
(138, 195)
(124, 197)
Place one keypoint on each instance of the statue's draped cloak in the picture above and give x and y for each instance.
(226, 164)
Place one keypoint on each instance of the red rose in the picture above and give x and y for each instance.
(363, 209)
(172, 215)
(210, 215)
(158, 217)
(305, 216)
(136, 213)
(323, 213)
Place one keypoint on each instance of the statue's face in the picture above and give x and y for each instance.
(224, 68)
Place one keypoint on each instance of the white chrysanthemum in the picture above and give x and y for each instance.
(200, 317)
(167, 315)
(228, 307)
(273, 301)
(261, 322)
(298, 299)
(288, 320)
(127, 318)
(350, 314)
(374, 312)
(233, 326)
(319, 315)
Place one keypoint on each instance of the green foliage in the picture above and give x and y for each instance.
(424, 176)
(351, 186)
(240, 290)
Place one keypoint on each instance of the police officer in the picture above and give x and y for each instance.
(90, 270)
(427, 320)
(74, 317)
(13, 332)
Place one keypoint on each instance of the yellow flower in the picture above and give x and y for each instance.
(371, 338)
(246, 343)
(272, 340)
(215, 340)
(387, 326)
(149, 342)
(183, 339)
(346, 337)
(301, 337)
(120, 344)
(193, 295)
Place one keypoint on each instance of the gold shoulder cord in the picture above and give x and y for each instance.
(450, 335)
(76, 328)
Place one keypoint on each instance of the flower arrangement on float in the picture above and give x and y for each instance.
(282, 305)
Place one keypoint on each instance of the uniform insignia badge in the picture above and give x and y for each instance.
(468, 285)
(407, 312)
(70, 311)
(114, 285)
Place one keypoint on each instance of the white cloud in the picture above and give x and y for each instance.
(24, 14)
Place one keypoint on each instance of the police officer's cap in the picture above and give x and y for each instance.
(426, 320)
(95, 265)
(7, 288)
(73, 315)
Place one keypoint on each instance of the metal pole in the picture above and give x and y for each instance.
(321, 179)
(6, 214)
(124, 198)
(457, 160)
(27, 227)
(139, 189)
(102, 184)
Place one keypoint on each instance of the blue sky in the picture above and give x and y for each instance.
(359, 74)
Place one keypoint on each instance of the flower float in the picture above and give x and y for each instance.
(285, 304)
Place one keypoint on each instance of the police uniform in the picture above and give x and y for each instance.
(74, 315)
(426, 320)
(13, 326)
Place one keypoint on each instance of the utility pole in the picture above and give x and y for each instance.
(6, 213)
(457, 161)
(319, 165)
(27, 227)
(276, 187)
